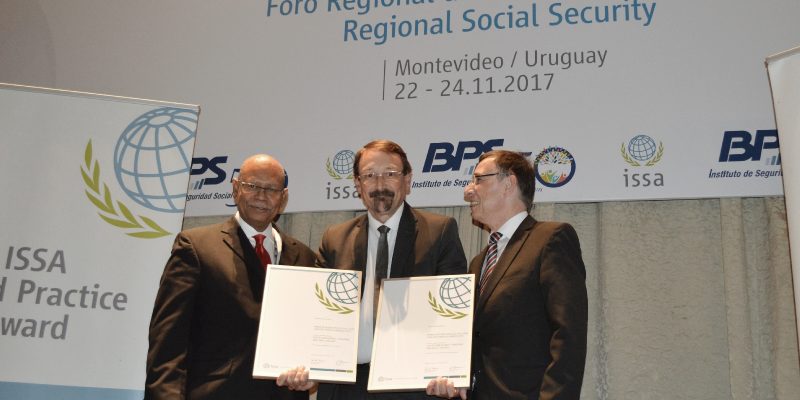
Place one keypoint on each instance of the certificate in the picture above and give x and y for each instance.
(309, 317)
(424, 330)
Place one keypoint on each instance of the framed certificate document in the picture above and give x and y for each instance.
(309, 317)
(424, 330)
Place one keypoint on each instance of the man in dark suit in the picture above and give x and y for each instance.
(205, 320)
(417, 243)
(529, 338)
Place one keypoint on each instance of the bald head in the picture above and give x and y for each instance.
(259, 190)
(260, 164)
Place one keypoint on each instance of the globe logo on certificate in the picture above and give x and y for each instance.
(142, 154)
(342, 287)
(453, 293)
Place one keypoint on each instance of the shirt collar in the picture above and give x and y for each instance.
(271, 234)
(249, 231)
(510, 226)
(393, 222)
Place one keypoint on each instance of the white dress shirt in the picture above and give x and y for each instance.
(272, 240)
(365, 330)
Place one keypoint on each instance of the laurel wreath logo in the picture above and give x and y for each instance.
(650, 163)
(329, 304)
(658, 156)
(333, 173)
(627, 157)
(447, 313)
(122, 218)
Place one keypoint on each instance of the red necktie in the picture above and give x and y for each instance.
(261, 252)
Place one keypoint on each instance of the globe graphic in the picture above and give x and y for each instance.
(642, 147)
(153, 157)
(343, 162)
(343, 287)
(455, 292)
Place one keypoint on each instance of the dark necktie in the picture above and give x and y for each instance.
(491, 258)
(261, 252)
(381, 266)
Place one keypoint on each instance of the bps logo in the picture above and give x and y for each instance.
(642, 151)
(213, 167)
(151, 163)
(554, 167)
(444, 156)
(202, 165)
(742, 146)
(340, 168)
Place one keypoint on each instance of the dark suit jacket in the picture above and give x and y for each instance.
(205, 319)
(529, 338)
(427, 244)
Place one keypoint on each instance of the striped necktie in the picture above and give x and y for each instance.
(491, 259)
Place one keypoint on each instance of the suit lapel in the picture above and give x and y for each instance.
(230, 235)
(288, 254)
(513, 247)
(360, 247)
(475, 268)
(403, 256)
(240, 271)
(477, 263)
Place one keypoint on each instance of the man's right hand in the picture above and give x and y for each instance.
(296, 379)
(443, 387)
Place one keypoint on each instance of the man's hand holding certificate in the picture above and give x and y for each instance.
(309, 317)
(424, 331)
(309, 329)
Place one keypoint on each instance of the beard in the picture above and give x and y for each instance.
(381, 199)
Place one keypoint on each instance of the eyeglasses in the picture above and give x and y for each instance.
(388, 176)
(476, 179)
(251, 188)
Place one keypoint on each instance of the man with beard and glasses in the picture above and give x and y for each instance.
(419, 244)
(205, 319)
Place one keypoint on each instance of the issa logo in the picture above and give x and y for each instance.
(340, 168)
(642, 151)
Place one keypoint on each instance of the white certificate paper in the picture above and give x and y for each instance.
(309, 317)
(424, 331)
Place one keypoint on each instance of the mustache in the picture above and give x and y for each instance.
(381, 193)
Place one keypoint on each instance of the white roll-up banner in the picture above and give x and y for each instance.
(94, 188)
(784, 78)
